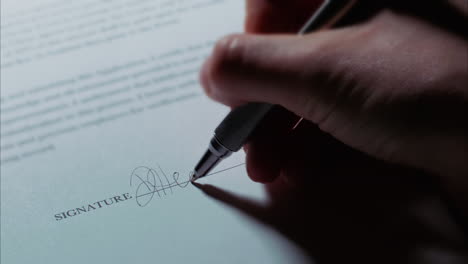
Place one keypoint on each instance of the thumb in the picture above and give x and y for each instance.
(288, 70)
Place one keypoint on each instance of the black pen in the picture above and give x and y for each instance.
(236, 128)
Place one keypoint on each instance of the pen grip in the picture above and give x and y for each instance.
(240, 123)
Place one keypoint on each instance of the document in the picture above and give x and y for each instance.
(102, 121)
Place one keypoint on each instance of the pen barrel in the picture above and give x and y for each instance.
(328, 15)
(240, 123)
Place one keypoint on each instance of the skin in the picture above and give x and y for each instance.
(393, 86)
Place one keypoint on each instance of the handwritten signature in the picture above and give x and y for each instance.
(151, 182)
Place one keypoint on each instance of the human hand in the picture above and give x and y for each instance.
(393, 87)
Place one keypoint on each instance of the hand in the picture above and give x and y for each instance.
(393, 87)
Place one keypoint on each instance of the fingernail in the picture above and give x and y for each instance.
(229, 43)
(205, 76)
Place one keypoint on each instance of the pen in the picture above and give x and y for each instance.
(234, 131)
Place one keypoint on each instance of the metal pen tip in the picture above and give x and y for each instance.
(194, 177)
(215, 153)
(205, 165)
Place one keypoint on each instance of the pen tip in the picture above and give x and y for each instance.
(194, 177)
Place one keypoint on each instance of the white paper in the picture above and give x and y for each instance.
(90, 90)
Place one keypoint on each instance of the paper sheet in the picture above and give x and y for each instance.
(91, 90)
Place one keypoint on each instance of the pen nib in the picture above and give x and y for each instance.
(194, 177)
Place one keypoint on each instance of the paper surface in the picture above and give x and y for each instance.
(91, 90)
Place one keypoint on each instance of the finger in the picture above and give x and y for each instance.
(265, 154)
(267, 16)
(313, 156)
(280, 69)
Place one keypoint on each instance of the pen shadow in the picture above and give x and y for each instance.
(372, 213)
